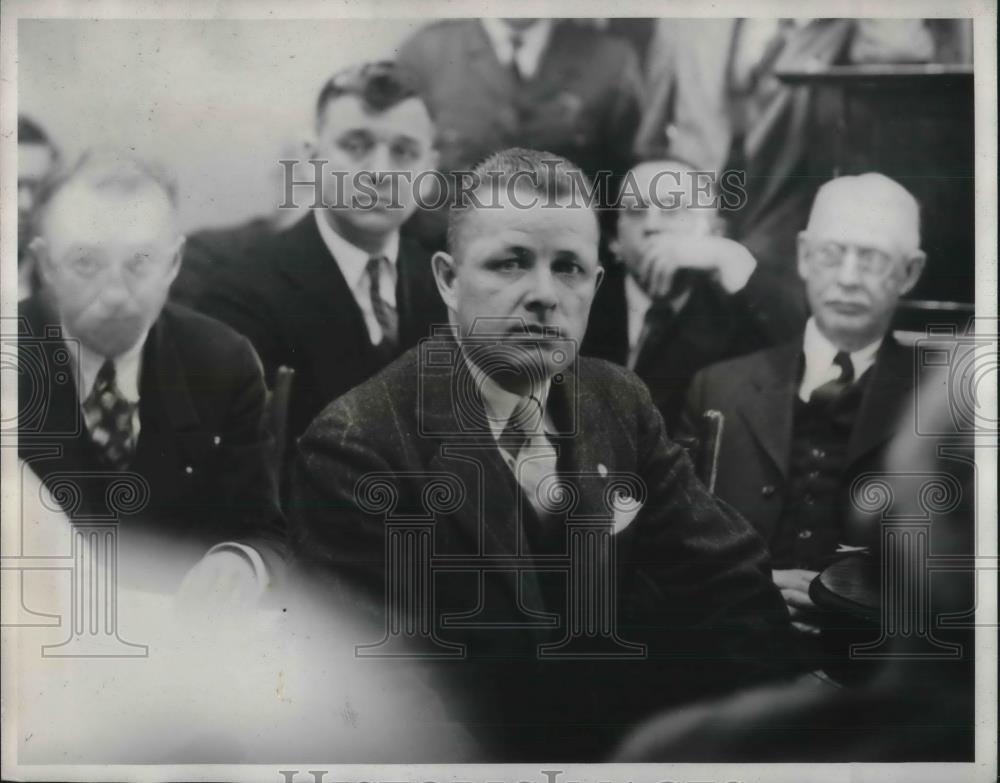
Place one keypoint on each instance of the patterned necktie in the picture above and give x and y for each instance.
(385, 314)
(831, 390)
(109, 417)
(529, 454)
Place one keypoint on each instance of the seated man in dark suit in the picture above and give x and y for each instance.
(341, 293)
(523, 458)
(678, 296)
(803, 419)
(127, 385)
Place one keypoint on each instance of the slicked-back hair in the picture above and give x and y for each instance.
(380, 85)
(547, 174)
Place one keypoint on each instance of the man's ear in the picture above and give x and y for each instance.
(913, 268)
(175, 263)
(803, 262)
(600, 278)
(38, 251)
(445, 274)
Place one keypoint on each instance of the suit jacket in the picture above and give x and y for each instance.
(202, 449)
(583, 103)
(292, 301)
(691, 575)
(712, 326)
(756, 395)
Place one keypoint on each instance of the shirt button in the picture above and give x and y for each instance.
(805, 534)
(818, 453)
(767, 490)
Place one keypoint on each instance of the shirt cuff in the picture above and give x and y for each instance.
(260, 572)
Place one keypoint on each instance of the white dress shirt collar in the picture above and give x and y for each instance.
(819, 353)
(501, 403)
(351, 259)
(534, 39)
(353, 263)
(128, 367)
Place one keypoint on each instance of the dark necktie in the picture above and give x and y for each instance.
(656, 321)
(516, 42)
(831, 390)
(385, 314)
(109, 418)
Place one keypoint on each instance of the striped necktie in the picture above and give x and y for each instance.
(385, 314)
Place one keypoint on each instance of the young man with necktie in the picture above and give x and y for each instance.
(803, 419)
(343, 291)
(532, 441)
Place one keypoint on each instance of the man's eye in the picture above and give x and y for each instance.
(85, 265)
(404, 152)
(354, 145)
(139, 263)
(567, 268)
(506, 265)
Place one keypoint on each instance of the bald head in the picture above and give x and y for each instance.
(868, 209)
(859, 254)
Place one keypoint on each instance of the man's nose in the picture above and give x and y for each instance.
(849, 273)
(378, 159)
(115, 290)
(542, 289)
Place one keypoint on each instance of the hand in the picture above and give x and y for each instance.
(221, 579)
(664, 254)
(794, 586)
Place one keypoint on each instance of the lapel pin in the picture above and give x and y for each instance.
(602, 470)
(188, 469)
(216, 440)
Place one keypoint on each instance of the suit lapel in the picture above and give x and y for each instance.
(885, 395)
(166, 406)
(768, 407)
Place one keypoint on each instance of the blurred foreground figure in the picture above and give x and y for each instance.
(217, 687)
(916, 709)
(115, 383)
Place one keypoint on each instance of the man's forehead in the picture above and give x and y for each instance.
(671, 184)
(409, 117)
(868, 207)
(561, 227)
(80, 214)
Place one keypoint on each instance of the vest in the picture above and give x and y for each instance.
(811, 523)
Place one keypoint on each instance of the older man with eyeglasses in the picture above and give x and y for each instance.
(804, 419)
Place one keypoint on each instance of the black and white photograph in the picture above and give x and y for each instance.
(442, 392)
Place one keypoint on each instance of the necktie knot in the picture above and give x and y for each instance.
(524, 421)
(843, 361)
